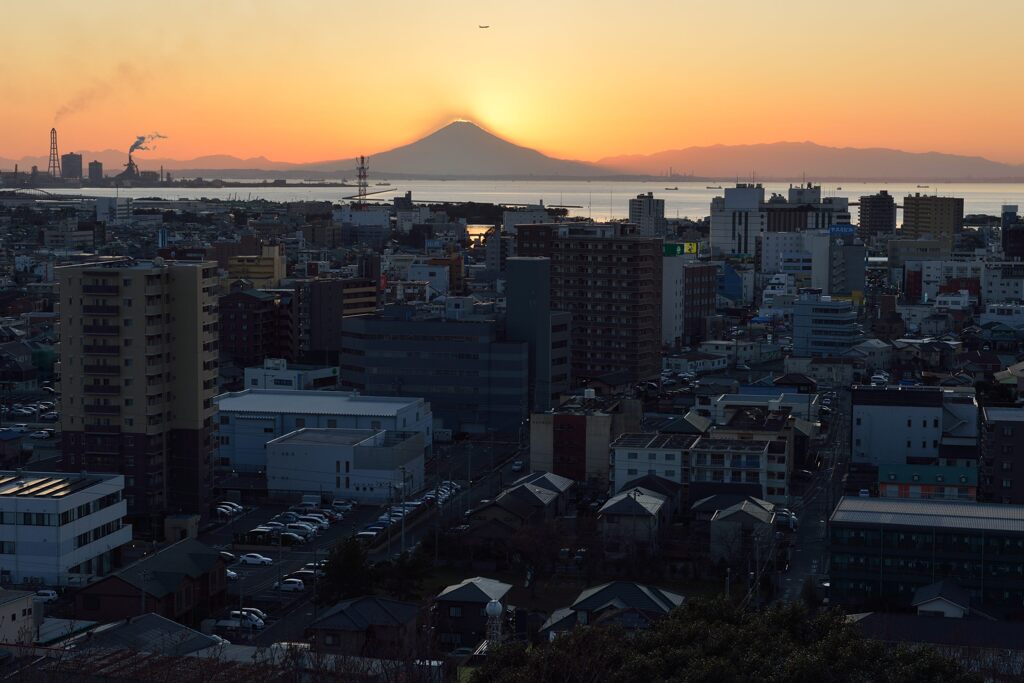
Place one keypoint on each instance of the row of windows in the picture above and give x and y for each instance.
(98, 533)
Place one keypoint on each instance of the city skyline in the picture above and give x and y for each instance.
(575, 81)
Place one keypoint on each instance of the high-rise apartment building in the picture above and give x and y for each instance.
(932, 216)
(320, 305)
(71, 166)
(138, 368)
(648, 213)
(609, 279)
(877, 215)
(95, 172)
(263, 270)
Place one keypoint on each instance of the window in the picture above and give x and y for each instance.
(670, 473)
(631, 456)
(858, 422)
(670, 457)
(332, 424)
(224, 419)
(455, 612)
(1007, 483)
(631, 472)
(652, 456)
(300, 422)
(225, 440)
(908, 423)
(908, 444)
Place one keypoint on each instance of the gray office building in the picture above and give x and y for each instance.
(823, 326)
(474, 380)
(529, 318)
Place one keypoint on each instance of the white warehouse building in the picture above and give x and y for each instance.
(365, 465)
(249, 419)
(58, 529)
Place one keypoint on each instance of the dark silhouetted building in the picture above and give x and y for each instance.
(609, 279)
(71, 166)
(877, 215)
(95, 172)
(1001, 454)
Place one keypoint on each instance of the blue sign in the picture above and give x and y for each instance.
(841, 229)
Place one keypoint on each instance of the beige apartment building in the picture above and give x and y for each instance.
(264, 270)
(940, 218)
(138, 370)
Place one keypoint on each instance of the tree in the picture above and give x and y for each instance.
(715, 640)
(348, 573)
(403, 577)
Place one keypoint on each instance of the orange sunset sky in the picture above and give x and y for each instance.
(308, 80)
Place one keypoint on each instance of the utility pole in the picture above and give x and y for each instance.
(402, 469)
(144, 576)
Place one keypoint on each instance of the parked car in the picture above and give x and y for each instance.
(258, 613)
(231, 574)
(517, 466)
(46, 596)
(290, 585)
(224, 512)
(234, 506)
(366, 536)
(255, 558)
(287, 517)
(289, 538)
(49, 417)
(273, 525)
(315, 521)
(20, 427)
(227, 557)
(40, 435)
(342, 505)
(244, 616)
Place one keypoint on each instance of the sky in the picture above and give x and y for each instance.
(312, 80)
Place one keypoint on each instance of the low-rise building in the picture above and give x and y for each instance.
(17, 617)
(632, 522)
(366, 465)
(631, 606)
(930, 482)
(696, 362)
(638, 454)
(185, 582)
(249, 419)
(58, 529)
(1001, 455)
(883, 549)
(741, 531)
(369, 626)
(278, 374)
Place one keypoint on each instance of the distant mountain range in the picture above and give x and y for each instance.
(791, 160)
(464, 150)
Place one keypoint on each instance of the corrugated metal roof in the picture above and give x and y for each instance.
(929, 513)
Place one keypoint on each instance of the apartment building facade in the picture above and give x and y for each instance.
(138, 365)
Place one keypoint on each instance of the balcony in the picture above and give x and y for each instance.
(102, 369)
(94, 309)
(112, 330)
(104, 389)
(101, 349)
(100, 289)
(91, 409)
(102, 429)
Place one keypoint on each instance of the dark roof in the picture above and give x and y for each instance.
(976, 632)
(552, 482)
(627, 595)
(161, 573)
(723, 501)
(148, 633)
(358, 614)
(794, 379)
(946, 589)
(653, 482)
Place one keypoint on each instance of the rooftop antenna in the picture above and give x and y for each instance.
(361, 171)
(54, 169)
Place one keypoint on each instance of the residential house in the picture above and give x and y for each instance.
(631, 606)
(738, 532)
(633, 521)
(459, 619)
(369, 626)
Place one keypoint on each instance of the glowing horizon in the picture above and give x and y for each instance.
(315, 80)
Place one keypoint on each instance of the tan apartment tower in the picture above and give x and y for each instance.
(138, 373)
(940, 218)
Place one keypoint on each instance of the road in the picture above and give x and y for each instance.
(810, 546)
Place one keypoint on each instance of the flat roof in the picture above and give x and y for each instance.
(336, 437)
(653, 440)
(940, 514)
(1003, 414)
(313, 403)
(46, 484)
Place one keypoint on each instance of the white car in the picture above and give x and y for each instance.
(228, 504)
(20, 427)
(40, 435)
(231, 574)
(46, 596)
(255, 558)
(290, 585)
(258, 613)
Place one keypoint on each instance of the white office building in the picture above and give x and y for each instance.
(276, 373)
(249, 419)
(662, 455)
(365, 465)
(895, 425)
(59, 529)
(649, 214)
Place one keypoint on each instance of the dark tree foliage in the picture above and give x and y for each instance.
(709, 641)
(348, 573)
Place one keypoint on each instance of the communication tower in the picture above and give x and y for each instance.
(54, 169)
(361, 170)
